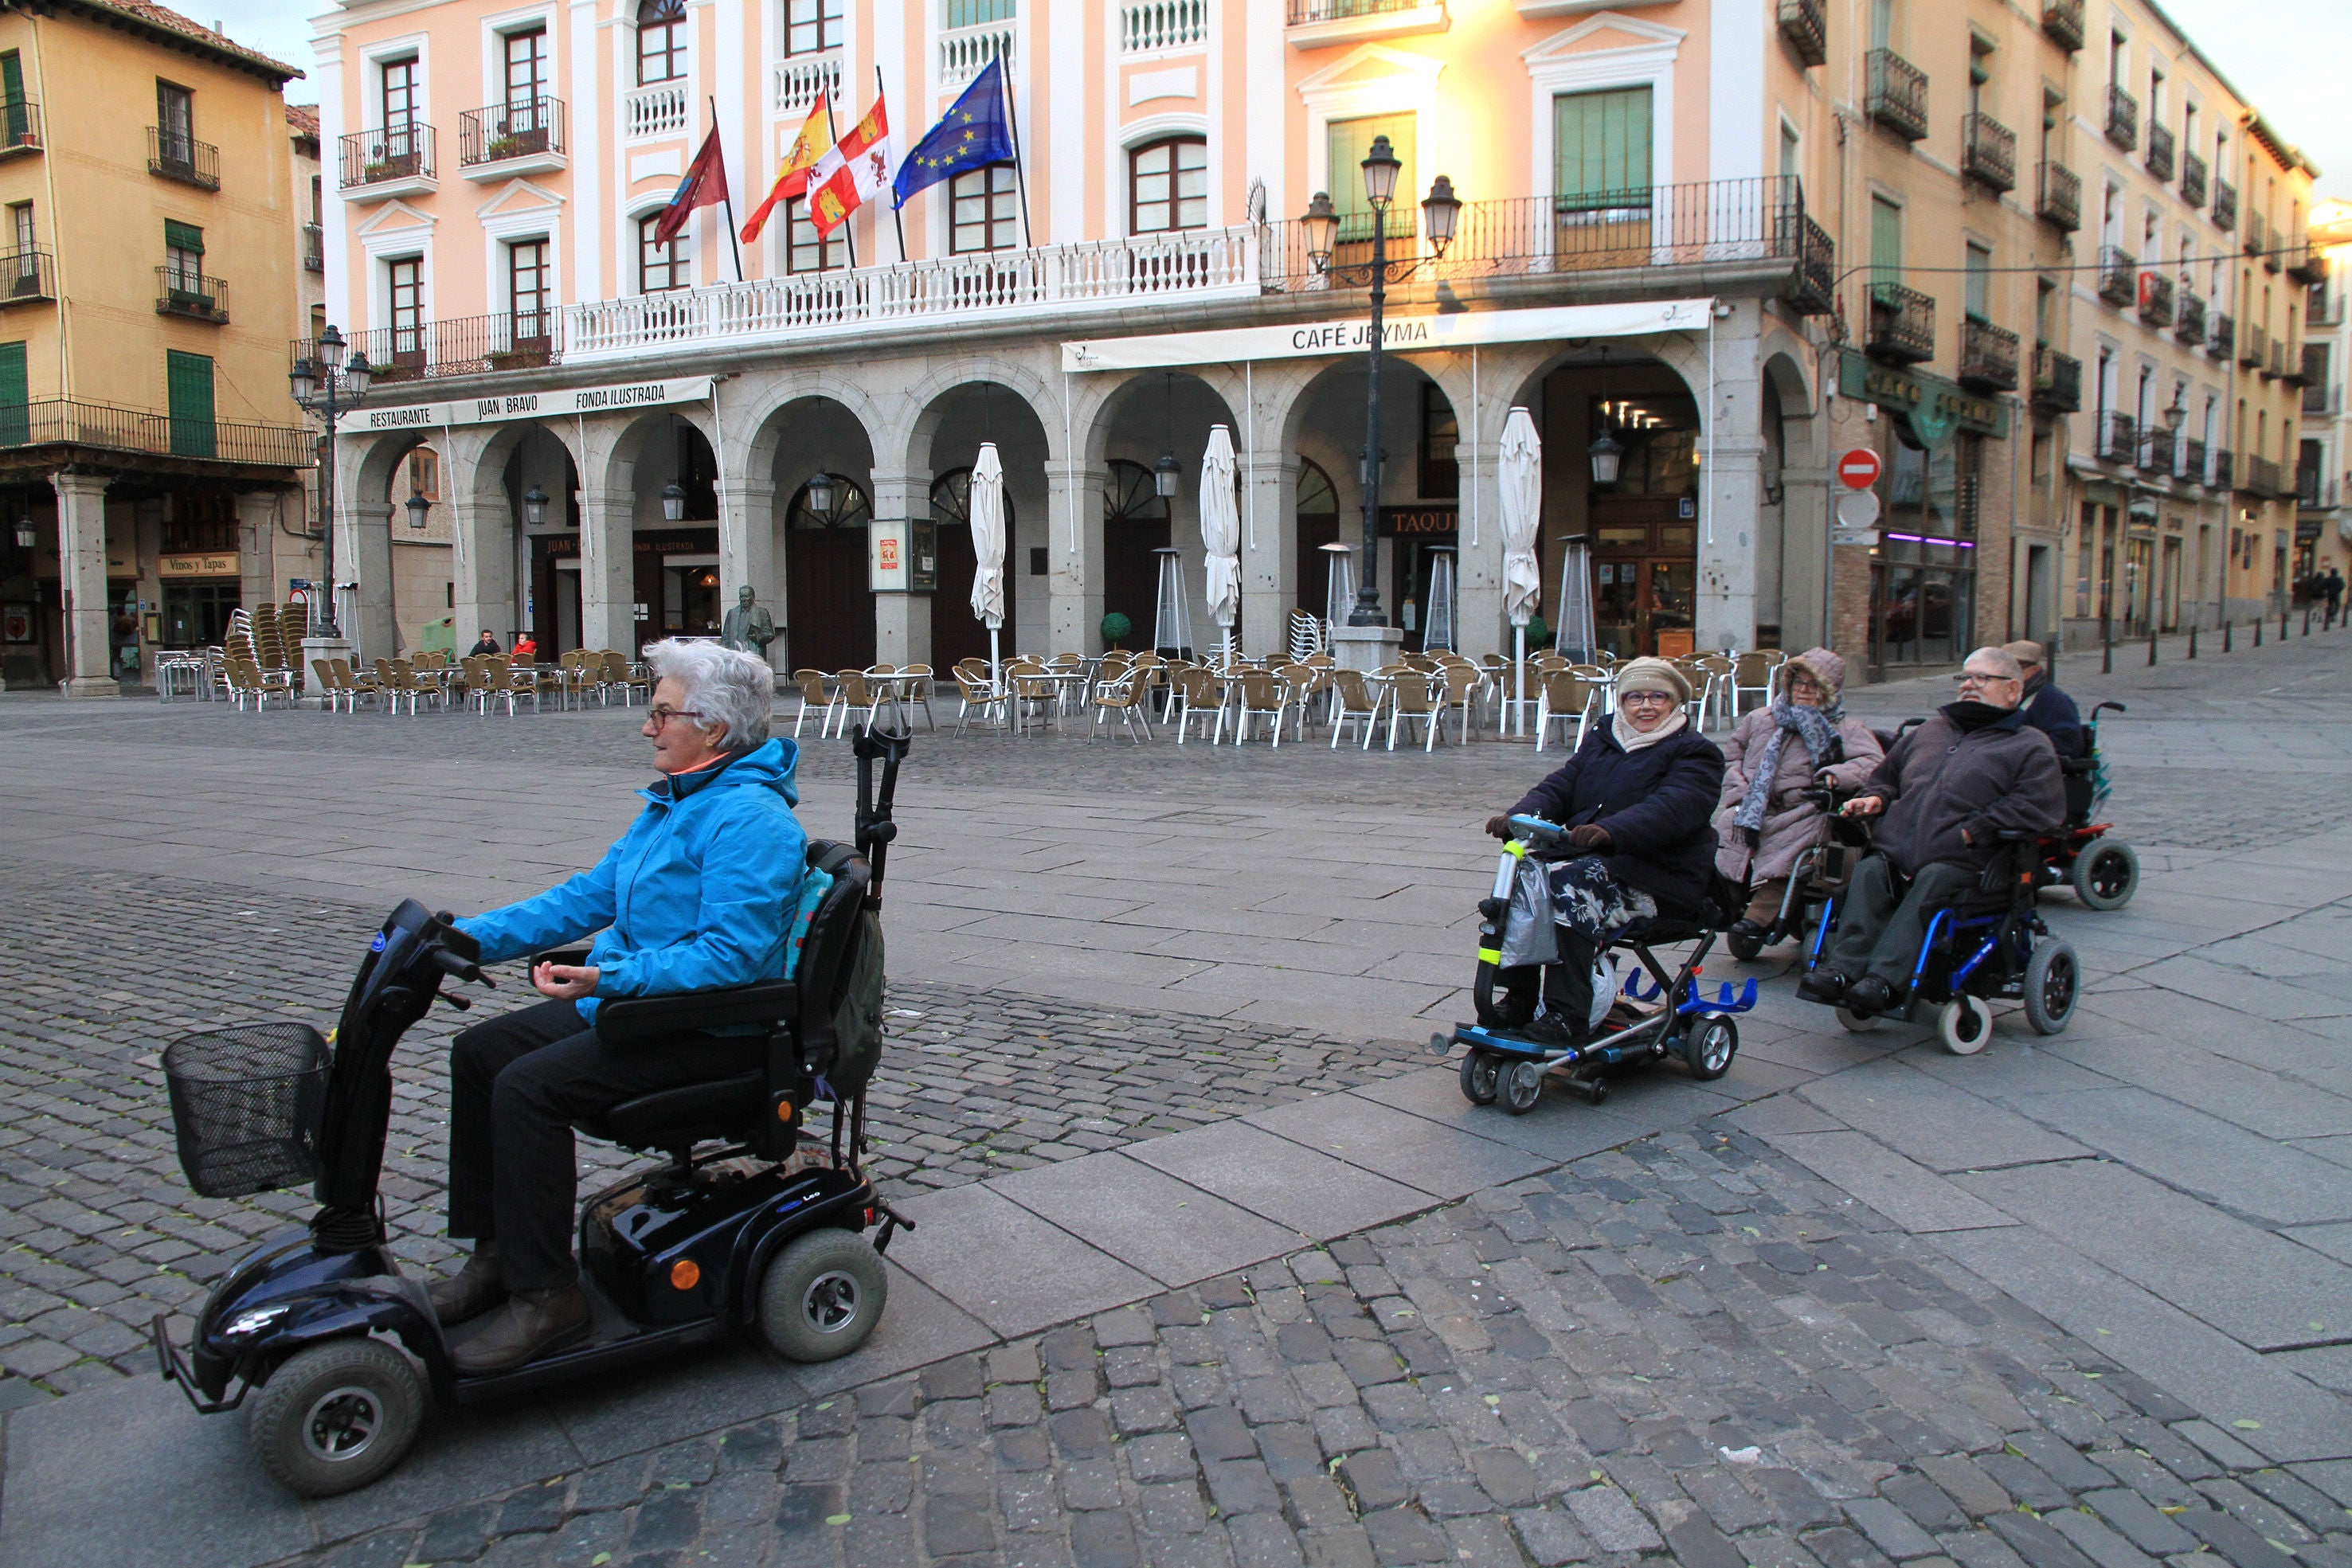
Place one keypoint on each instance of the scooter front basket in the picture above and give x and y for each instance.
(246, 1106)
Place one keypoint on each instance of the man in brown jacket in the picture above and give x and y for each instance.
(1948, 791)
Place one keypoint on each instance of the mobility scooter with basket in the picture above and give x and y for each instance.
(338, 1351)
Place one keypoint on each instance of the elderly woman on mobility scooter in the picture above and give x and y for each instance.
(696, 894)
(1764, 822)
(1635, 798)
(1945, 795)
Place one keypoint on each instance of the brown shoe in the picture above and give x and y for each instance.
(472, 1290)
(532, 1324)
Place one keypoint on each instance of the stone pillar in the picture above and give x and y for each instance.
(1366, 648)
(608, 576)
(1479, 623)
(902, 621)
(81, 566)
(363, 555)
(747, 541)
(258, 512)
(481, 538)
(1074, 588)
(1732, 454)
(1269, 546)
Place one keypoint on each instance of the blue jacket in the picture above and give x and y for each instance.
(1657, 803)
(2053, 713)
(698, 892)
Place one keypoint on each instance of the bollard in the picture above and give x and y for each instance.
(2258, 631)
(2106, 653)
(2281, 625)
(2151, 647)
(2192, 639)
(2307, 620)
(2228, 627)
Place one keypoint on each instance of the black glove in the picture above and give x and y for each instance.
(1498, 827)
(1591, 836)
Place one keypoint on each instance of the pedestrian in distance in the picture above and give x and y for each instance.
(2333, 587)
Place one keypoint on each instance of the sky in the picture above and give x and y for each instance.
(2287, 55)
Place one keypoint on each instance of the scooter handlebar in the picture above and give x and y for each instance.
(1537, 833)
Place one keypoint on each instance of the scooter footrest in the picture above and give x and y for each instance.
(1483, 1038)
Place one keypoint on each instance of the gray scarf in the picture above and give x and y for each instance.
(1819, 728)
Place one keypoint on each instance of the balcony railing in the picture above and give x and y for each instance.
(2224, 469)
(469, 346)
(655, 111)
(1302, 13)
(2193, 179)
(69, 421)
(2274, 368)
(1147, 26)
(2190, 328)
(2057, 381)
(26, 277)
(2251, 236)
(20, 126)
(1902, 325)
(2273, 248)
(2225, 203)
(314, 248)
(2123, 118)
(174, 156)
(2061, 202)
(2156, 299)
(964, 52)
(2192, 460)
(2118, 437)
(531, 129)
(181, 293)
(1898, 94)
(2258, 476)
(2159, 151)
(2156, 453)
(2320, 399)
(2305, 263)
(2062, 20)
(1988, 357)
(1987, 152)
(1805, 29)
(394, 153)
(2312, 491)
(2222, 340)
(2118, 276)
(798, 82)
(2253, 345)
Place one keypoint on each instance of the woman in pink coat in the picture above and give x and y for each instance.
(1775, 753)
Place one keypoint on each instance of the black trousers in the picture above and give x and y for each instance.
(1881, 927)
(517, 1084)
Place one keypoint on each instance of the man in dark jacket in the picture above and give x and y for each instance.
(2332, 585)
(1947, 792)
(2047, 708)
(1638, 797)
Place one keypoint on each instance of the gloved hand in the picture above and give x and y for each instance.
(1591, 836)
(1498, 827)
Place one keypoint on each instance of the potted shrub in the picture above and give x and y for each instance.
(1117, 629)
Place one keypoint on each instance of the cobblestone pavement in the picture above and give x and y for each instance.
(1689, 1347)
(99, 1231)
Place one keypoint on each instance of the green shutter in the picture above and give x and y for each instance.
(189, 382)
(18, 119)
(1349, 142)
(15, 396)
(183, 237)
(1601, 148)
(1885, 241)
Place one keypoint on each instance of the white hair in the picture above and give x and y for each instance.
(729, 689)
(2004, 663)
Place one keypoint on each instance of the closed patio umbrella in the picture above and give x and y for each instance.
(1221, 533)
(1521, 475)
(987, 509)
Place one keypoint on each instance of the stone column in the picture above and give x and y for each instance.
(481, 540)
(1478, 624)
(902, 621)
(608, 576)
(257, 543)
(1731, 451)
(82, 562)
(1270, 561)
(747, 539)
(1074, 550)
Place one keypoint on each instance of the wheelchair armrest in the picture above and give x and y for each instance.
(572, 956)
(635, 1020)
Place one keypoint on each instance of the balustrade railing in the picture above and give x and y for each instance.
(1147, 26)
(796, 83)
(657, 110)
(71, 421)
(964, 52)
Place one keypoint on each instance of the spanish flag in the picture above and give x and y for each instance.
(791, 179)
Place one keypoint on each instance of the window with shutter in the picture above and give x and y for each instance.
(188, 386)
(16, 414)
(1601, 148)
(1350, 141)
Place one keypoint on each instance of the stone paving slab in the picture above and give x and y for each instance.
(1169, 1229)
(1007, 1267)
(1912, 1195)
(1305, 1191)
(1943, 1128)
(1420, 1152)
(2201, 1154)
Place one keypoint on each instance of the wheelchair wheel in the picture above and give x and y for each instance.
(2105, 876)
(1966, 1025)
(1479, 1071)
(1708, 1050)
(1855, 1023)
(2053, 981)
(1521, 1084)
(1744, 946)
(822, 1295)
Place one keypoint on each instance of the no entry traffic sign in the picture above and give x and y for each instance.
(1857, 468)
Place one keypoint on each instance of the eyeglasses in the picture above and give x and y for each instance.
(1646, 698)
(1976, 678)
(661, 713)
(1802, 683)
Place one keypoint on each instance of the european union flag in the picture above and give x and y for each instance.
(973, 133)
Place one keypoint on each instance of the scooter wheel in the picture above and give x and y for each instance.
(2105, 876)
(336, 1417)
(1708, 1050)
(1855, 1023)
(1596, 1090)
(1522, 1086)
(1479, 1071)
(822, 1295)
(1966, 1025)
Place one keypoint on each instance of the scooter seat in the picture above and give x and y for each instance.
(724, 1109)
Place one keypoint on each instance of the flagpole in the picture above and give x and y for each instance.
(848, 237)
(1020, 176)
(898, 213)
(727, 192)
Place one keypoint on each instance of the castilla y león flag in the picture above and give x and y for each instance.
(705, 185)
(793, 178)
(854, 169)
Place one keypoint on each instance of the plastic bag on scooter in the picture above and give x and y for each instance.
(1529, 934)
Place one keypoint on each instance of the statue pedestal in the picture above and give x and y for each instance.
(326, 649)
(1366, 648)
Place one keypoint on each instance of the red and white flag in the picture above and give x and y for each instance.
(854, 169)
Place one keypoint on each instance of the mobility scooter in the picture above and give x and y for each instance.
(1631, 1025)
(338, 1351)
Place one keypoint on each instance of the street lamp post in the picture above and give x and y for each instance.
(326, 386)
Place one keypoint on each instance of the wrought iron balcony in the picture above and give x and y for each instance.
(2190, 328)
(172, 156)
(1902, 325)
(396, 157)
(2156, 452)
(2057, 381)
(505, 133)
(1987, 152)
(69, 423)
(1805, 30)
(181, 293)
(469, 346)
(2305, 263)
(26, 277)
(2224, 469)
(2225, 205)
(2254, 346)
(2118, 276)
(2123, 118)
(314, 248)
(1898, 94)
(2061, 202)
(2118, 437)
(2314, 491)
(20, 126)
(2222, 340)
(2252, 237)
(2320, 399)
(2159, 151)
(2062, 20)
(2156, 299)
(2275, 246)
(2257, 476)
(1988, 357)
(2192, 460)
(2193, 179)
(2274, 368)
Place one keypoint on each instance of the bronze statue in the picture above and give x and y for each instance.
(749, 628)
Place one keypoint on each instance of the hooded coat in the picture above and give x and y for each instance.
(698, 892)
(1792, 824)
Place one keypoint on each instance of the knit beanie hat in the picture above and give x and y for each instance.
(1653, 676)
